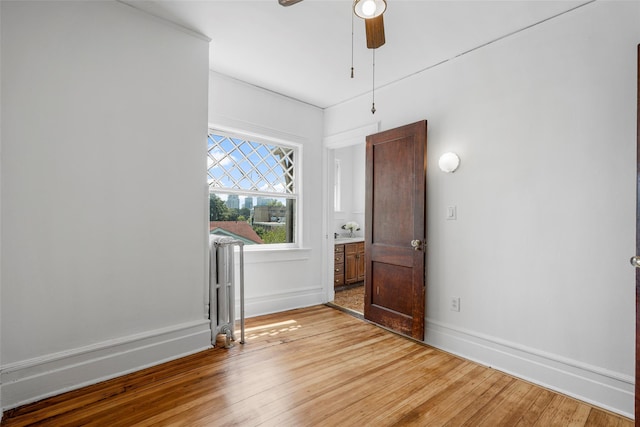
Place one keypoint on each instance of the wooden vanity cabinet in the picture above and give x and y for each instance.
(348, 263)
(353, 263)
(338, 265)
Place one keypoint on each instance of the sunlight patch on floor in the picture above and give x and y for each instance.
(272, 329)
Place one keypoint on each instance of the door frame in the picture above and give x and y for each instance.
(637, 391)
(339, 140)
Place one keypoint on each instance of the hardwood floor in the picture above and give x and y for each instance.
(314, 366)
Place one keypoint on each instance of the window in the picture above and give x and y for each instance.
(252, 189)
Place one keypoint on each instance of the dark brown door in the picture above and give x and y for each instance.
(635, 260)
(396, 229)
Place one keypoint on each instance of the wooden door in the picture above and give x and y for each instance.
(395, 219)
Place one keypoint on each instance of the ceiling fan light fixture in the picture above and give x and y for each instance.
(288, 2)
(367, 9)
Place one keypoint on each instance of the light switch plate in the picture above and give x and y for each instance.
(452, 213)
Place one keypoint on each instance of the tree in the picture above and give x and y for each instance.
(232, 214)
(218, 211)
(273, 235)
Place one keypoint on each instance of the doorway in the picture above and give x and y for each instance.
(345, 196)
(399, 298)
(348, 227)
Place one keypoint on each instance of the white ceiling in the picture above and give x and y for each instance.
(304, 51)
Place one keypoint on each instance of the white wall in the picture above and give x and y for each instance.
(276, 279)
(544, 122)
(352, 160)
(103, 215)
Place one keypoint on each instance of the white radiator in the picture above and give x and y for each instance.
(222, 288)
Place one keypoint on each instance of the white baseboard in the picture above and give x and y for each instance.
(282, 301)
(606, 389)
(35, 379)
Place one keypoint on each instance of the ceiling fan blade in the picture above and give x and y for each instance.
(375, 32)
(288, 2)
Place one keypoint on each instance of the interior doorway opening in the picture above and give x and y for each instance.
(348, 227)
(345, 214)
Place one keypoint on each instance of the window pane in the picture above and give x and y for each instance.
(252, 190)
(253, 220)
(252, 166)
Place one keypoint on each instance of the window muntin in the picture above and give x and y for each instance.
(252, 182)
(241, 164)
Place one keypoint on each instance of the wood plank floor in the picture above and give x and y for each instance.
(309, 367)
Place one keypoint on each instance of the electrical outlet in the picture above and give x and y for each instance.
(454, 305)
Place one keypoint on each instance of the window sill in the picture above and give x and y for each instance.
(277, 254)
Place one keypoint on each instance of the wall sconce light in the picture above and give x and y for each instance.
(449, 162)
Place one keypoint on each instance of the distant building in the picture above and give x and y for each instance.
(263, 201)
(233, 201)
(248, 203)
(276, 214)
(238, 230)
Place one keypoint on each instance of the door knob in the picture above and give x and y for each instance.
(417, 245)
(635, 261)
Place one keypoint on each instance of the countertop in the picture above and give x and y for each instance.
(344, 240)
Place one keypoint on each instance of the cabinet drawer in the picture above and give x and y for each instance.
(338, 268)
(338, 258)
(338, 280)
(354, 248)
(338, 248)
(351, 248)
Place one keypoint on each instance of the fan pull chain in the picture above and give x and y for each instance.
(373, 90)
(352, 45)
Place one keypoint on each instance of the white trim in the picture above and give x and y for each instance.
(252, 132)
(38, 378)
(337, 185)
(328, 293)
(275, 255)
(277, 302)
(350, 137)
(607, 389)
